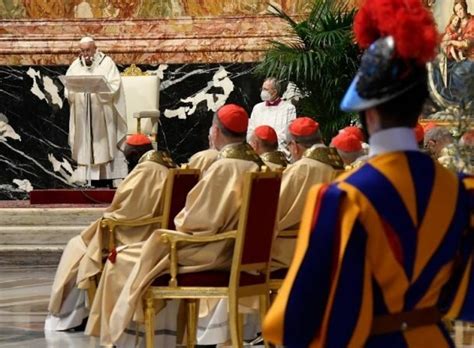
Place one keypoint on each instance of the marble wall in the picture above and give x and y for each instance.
(167, 40)
(46, 32)
(31, 9)
(34, 117)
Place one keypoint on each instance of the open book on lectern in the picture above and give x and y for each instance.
(86, 83)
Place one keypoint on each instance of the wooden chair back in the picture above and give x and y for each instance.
(257, 225)
(179, 182)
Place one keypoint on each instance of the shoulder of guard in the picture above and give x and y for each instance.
(326, 155)
(242, 151)
(275, 157)
(160, 157)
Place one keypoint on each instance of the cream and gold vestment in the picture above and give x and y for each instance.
(318, 165)
(139, 196)
(202, 160)
(274, 160)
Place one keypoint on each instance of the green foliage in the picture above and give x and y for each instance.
(320, 58)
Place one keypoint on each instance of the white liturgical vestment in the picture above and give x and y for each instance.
(98, 123)
(278, 116)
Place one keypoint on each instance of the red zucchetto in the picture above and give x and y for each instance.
(138, 140)
(429, 126)
(303, 127)
(266, 133)
(355, 131)
(234, 118)
(346, 142)
(419, 132)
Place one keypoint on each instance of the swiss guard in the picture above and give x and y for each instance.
(385, 252)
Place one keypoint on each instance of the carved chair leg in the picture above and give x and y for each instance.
(192, 306)
(235, 322)
(149, 322)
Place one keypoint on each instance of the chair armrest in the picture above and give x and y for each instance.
(110, 224)
(288, 233)
(174, 239)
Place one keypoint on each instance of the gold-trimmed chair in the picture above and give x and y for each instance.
(178, 184)
(249, 273)
(142, 97)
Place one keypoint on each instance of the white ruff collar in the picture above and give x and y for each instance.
(392, 140)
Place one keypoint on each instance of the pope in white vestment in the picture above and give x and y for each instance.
(97, 124)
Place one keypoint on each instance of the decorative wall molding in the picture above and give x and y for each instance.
(179, 40)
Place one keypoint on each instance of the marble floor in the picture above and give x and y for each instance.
(24, 294)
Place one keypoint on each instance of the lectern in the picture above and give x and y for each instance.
(87, 84)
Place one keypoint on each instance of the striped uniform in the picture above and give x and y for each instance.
(380, 240)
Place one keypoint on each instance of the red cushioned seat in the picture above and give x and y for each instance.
(209, 279)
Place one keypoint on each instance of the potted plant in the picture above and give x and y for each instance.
(320, 58)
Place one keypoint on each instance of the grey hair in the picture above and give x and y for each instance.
(306, 141)
(277, 84)
(350, 157)
(265, 145)
(438, 134)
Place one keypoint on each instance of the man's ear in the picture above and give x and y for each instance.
(217, 131)
(372, 119)
(255, 145)
(300, 149)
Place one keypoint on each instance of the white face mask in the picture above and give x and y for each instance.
(265, 95)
